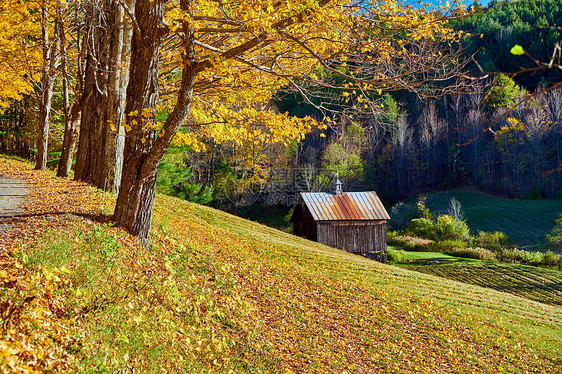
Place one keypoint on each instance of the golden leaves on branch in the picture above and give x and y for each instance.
(20, 56)
(248, 50)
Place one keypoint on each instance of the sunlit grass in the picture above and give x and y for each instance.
(216, 293)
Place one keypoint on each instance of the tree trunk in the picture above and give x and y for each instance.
(136, 195)
(118, 81)
(143, 150)
(69, 142)
(72, 116)
(47, 83)
(99, 156)
(91, 144)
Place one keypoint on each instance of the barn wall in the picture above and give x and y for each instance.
(303, 223)
(354, 236)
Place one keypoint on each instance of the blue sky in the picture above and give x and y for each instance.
(442, 2)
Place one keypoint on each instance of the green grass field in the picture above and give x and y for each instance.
(526, 222)
(531, 282)
(425, 257)
(219, 294)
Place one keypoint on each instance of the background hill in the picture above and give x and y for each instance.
(526, 222)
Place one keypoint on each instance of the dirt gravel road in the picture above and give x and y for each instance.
(13, 192)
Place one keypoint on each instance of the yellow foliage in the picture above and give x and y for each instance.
(20, 56)
(289, 41)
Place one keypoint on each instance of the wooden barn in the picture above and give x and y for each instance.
(352, 221)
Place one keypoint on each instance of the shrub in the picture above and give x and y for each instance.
(409, 242)
(449, 228)
(394, 238)
(492, 240)
(548, 258)
(423, 211)
(423, 228)
(174, 179)
(395, 257)
(419, 246)
(512, 255)
(518, 255)
(474, 252)
(448, 245)
(195, 193)
(535, 194)
(555, 236)
(391, 235)
(551, 259)
(533, 258)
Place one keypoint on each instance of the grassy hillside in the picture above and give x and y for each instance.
(525, 221)
(216, 293)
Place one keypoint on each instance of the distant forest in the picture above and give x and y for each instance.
(416, 145)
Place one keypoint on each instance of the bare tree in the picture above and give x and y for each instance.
(72, 113)
(48, 75)
(455, 210)
(402, 137)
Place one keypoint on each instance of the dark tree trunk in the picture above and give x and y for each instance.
(100, 145)
(69, 142)
(143, 150)
(90, 155)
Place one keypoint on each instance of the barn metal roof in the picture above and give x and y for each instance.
(348, 206)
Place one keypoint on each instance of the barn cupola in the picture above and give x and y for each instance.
(337, 186)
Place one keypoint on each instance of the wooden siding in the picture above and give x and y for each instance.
(303, 223)
(353, 236)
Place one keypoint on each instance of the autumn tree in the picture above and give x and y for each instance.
(20, 59)
(228, 56)
(211, 67)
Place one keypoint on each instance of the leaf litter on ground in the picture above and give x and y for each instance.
(215, 293)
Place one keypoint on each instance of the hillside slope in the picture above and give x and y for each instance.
(216, 293)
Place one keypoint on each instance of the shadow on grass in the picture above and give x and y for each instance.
(98, 218)
(440, 261)
(538, 284)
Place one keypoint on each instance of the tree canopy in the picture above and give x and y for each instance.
(151, 71)
(532, 24)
